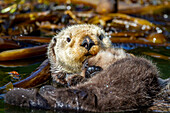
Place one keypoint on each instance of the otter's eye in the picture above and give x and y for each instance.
(101, 36)
(68, 39)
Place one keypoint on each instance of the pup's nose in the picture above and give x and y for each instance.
(87, 43)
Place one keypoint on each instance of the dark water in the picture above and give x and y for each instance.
(162, 64)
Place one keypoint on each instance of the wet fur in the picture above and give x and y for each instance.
(128, 83)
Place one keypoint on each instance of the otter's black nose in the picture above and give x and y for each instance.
(87, 43)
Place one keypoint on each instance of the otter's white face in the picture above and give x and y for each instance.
(75, 44)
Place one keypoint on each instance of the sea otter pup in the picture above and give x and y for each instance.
(102, 60)
(71, 47)
(124, 83)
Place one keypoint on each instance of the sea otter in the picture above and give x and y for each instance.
(71, 47)
(112, 79)
(127, 83)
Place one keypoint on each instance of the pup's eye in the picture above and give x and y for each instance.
(101, 36)
(68, 39)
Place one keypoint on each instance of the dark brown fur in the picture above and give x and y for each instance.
(129, 83)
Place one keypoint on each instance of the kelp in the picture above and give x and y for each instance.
(8, 44)
(23, 53)
(126, 34)
(22, 62)
(36, 78)
(137, 41)
(122, 19)
(73, 17)
(12, 8)
(27, 38)
(156, 55)
(92, 3)
(121, 27)
(29, 23)
(150, 9)
(157, 39)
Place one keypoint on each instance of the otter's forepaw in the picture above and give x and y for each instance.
(92, 70)
(74, 79)
(59, 79)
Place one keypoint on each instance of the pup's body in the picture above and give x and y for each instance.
(127, 83)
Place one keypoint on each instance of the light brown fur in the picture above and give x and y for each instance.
(66, 58)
